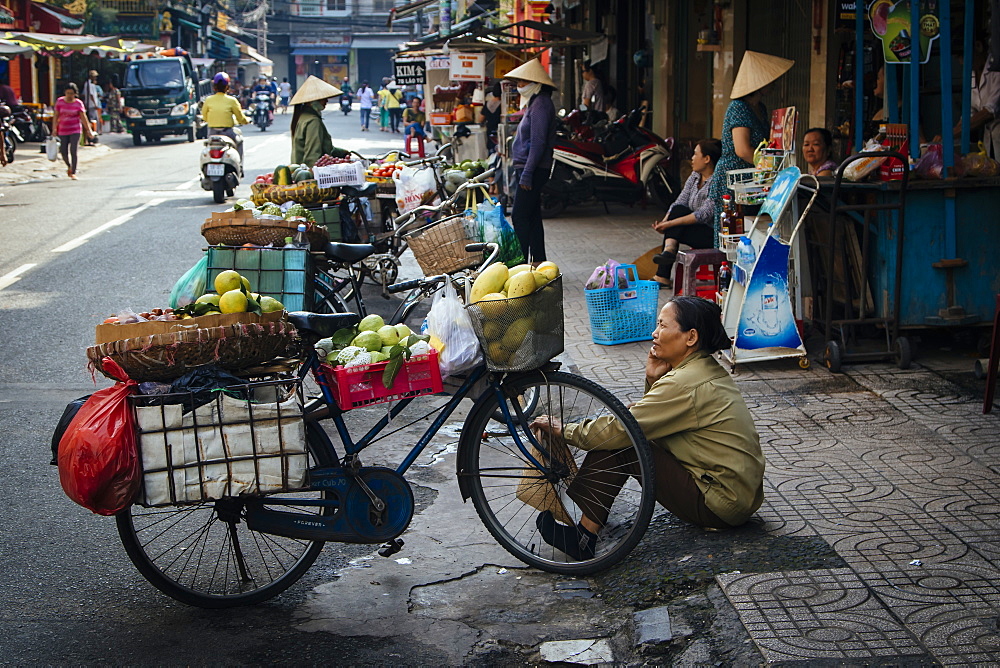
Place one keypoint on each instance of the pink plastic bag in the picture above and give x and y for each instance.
(98, 455)
(603, 276)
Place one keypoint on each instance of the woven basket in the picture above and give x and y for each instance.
(305, 192)
(164, 357)
(258, 231)
(440, 248)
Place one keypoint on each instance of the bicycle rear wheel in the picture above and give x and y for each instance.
(204, 555)
(504, 484)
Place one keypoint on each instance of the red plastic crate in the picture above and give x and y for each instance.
(355, 387)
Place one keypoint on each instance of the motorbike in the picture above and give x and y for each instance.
(9, 134)
(345, 103)
(221, 167)
(261, 110)
(626, 164)
(29, 124)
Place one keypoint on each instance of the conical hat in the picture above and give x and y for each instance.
(314, 89)
(531, 71)
(756, 71)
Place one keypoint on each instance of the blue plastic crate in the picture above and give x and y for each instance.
(281, 273)
(624, 314)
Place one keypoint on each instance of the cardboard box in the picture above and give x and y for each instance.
(230, 216)
(108, 333)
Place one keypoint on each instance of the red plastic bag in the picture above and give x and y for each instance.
(98, 456)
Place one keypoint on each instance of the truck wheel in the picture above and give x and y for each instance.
(136, 139)
(190, 134)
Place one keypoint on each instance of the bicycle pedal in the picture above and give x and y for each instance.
(391, 548)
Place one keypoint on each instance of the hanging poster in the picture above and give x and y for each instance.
(893, 24)
(409, 72)
(468, 66)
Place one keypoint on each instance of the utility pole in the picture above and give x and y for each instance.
(262, 28)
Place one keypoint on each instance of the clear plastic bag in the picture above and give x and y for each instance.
(495, 229)
(450, 322)
(191, 285)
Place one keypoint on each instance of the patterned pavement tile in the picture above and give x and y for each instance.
(818, 614)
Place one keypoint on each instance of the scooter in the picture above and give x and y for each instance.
(221, 167)
(29, 124)
(262, 110)
(630, 164)
(9, 134)
(345, 103)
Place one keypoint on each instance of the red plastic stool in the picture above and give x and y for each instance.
(420, 144)
(696, 272)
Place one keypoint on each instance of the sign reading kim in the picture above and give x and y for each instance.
(410, 72)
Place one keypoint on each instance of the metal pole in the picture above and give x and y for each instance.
(967, 77)
(947, 118)
(859, 45)
(914, 83)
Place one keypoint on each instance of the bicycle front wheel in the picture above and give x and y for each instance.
(509, 491)
(204, 555)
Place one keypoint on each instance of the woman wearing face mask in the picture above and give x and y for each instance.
(532, 155)
(310, 139)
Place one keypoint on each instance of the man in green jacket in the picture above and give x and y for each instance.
(310, 138)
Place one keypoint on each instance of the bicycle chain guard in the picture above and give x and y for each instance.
(355, 520)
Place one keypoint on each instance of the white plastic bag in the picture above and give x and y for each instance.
(52, 148)
(414, 186)
(449, 321)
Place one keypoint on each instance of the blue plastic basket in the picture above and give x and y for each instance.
(623, 314)
(281, 273)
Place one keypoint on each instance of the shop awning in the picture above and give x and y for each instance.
(319, 51)
(12, 49)
(64, 42)
(66, 22)
(512, 37)
(253, 56)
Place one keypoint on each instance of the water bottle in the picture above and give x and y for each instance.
(769, 310)
(301, 240)
(746, 255)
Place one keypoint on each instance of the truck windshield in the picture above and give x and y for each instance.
(154, 73)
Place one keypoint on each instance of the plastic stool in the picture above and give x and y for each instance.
(420, 144)
(696, 272)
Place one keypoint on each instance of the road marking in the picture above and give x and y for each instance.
(256, 147)
(164, 194)
(188, 184)
(14, 276)
(125, 217)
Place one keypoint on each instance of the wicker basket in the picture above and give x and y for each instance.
(164, 357)
(258, 231)
(440, 248)
(305, 192)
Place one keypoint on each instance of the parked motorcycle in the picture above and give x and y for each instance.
(345, 103)
(29, 123)
(221, 167)
(261, 110)
(9, 134)
(628, 165)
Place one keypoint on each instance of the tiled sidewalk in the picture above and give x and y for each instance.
(896, 470)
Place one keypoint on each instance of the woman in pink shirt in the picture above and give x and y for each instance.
(70, 121)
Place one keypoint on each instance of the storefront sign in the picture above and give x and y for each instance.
(320, 40)
(468, 66)
(409, 72)
(439, 62)
(893, 24)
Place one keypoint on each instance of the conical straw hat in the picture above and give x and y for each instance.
(314, 89)
(531, 71)
(756, 71)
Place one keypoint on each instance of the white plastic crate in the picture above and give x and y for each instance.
(341, 174)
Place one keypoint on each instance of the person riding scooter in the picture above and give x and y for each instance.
(265, 86)
(222, 113)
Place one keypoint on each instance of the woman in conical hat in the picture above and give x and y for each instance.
(310, 139)
(746, 123)
(531, 154)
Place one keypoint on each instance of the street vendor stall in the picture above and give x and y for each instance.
(947, 261)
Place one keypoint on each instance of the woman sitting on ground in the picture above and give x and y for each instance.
(816, 145)
(706, 451)
(690, 218)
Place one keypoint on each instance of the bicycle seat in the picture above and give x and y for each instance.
(322, 324)
(348, 252)
(366, 190)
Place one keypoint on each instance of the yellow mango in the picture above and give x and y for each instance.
(519, 268)
(515, 334)
(493, 310)
(540, 279)
(549, 269)
(490, 281)
(497, 353)
(492, 330)
(521, 284)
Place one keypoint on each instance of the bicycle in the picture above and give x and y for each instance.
(241, 550)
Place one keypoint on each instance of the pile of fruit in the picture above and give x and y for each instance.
(232, 295)
(373, 342)
(382, 171)
(326, 160)
(456, 175)
(506, 320)
(289, 211)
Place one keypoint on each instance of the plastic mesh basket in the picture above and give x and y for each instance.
(340, 174)
(522, 333)
(625, 314)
